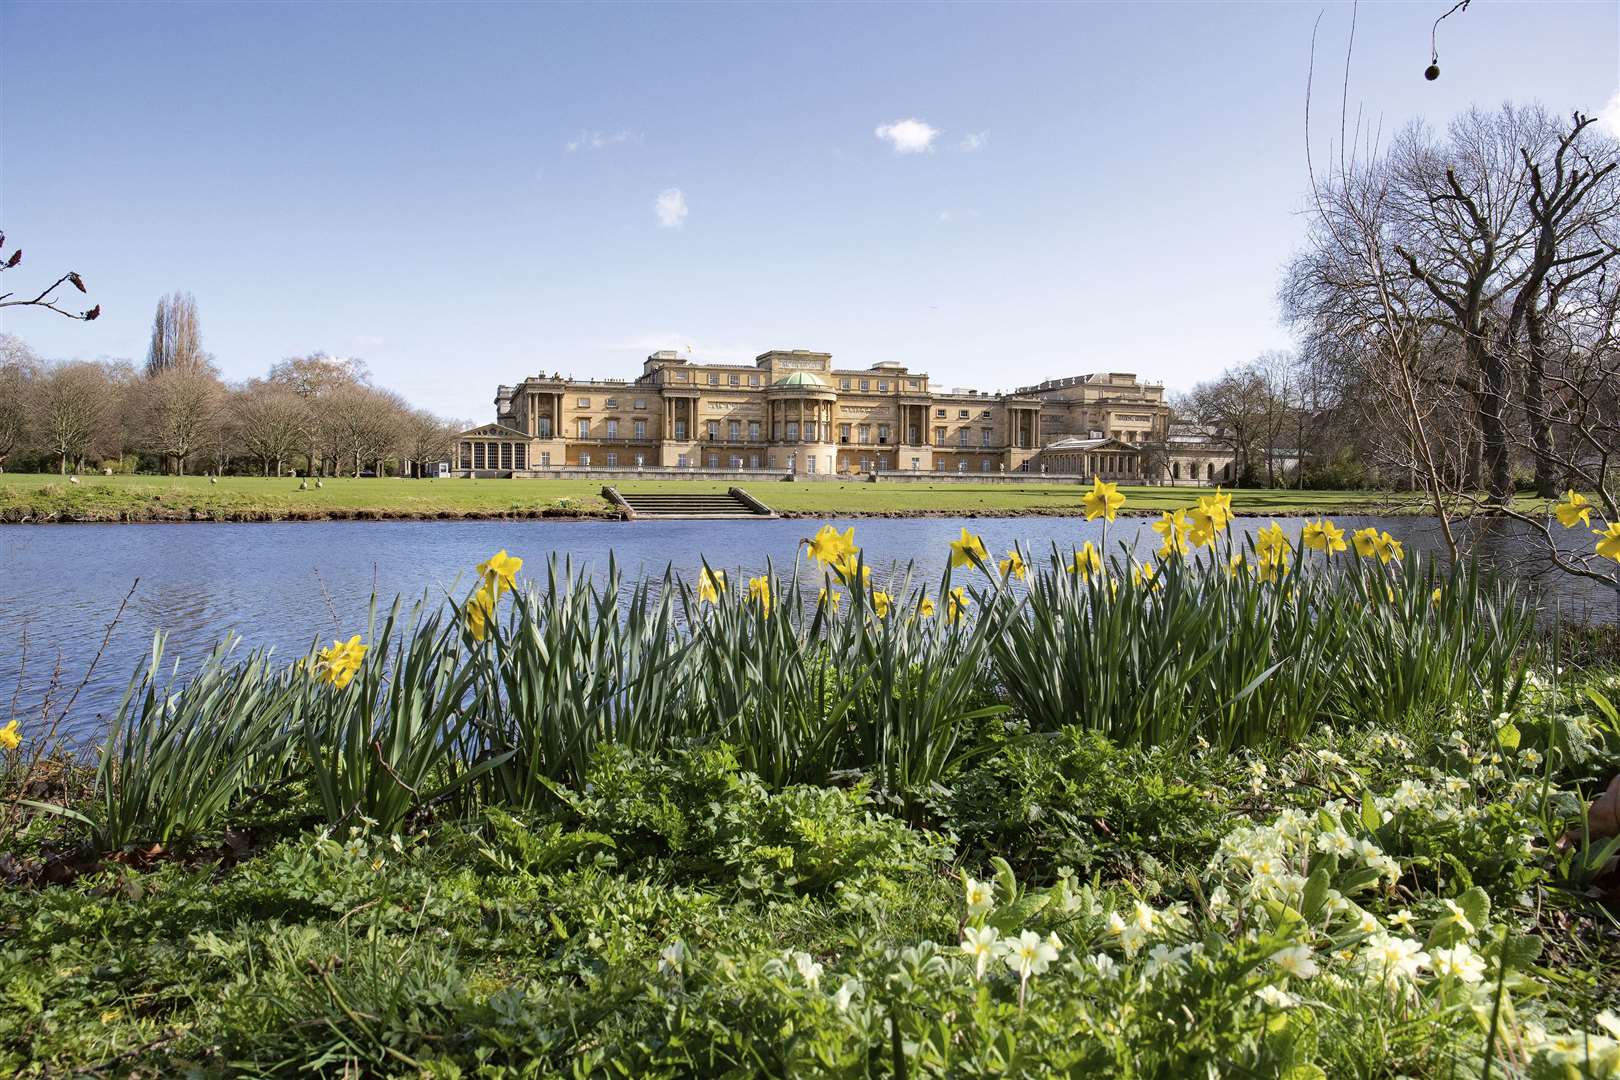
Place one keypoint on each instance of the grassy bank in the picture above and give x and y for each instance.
(1294, 816)
(47, 498)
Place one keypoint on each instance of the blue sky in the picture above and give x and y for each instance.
(465, 194)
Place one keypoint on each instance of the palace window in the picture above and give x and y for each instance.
(753, 431)
(641, 429)
(611, 403)
(939, 414)
(961, 414)
(714, 378)
(985, 415)
(883, 385)
(792, 430)
(736, 461)
(883, 434)
(584, 402)
(843, 384)
(613, 429)
(753, 380)
(733, 430)
(478, 455)
(641, 403)
(866, 434)
(735, 380)
(612, 460)
(714, 461)
(585, 461)
(506, 455)
(713, 428)
(545, 459)
(984, 437)
(939, 436)
(545, 427)
(961, 436)
(843, 433)
(584, 427)
(984, 465)
(753, 461)
(866, 384)
(680, 429)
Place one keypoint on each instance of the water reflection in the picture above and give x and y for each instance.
(283, 585)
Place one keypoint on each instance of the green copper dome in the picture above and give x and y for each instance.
(802, 378)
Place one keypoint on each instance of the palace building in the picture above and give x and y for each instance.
(795, 411)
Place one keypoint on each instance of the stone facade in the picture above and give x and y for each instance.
(794, 411)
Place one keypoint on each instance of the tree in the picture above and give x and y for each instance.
(46, 297)
(269, 420)
(176, 343)
(1234, 408)
(73, 404)
(19, 368)
(315, 378)
(178, 407)
(425, 439)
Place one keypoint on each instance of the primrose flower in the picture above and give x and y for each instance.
(1393, 957)
(1459, 962)
(1324, 536)
(1103, 500)
(809, 969)
(1455, 915)
(1173, 526)
(1162, 958)
(479, 611)
(968, 551)
(980, 944)
(1276, 997)
(980, 895)
(672, 957)
(500, 570)
(1297, 961)
(339, 664)
(845, 994)
(956, 603)
(759, 590)
(1013, 565)
(710, 585)
(1575, 509)
(1105, 965)
(881, 602)
(827, 546)
(10, 737)
(1087, 561)
(1030, 954)
(1608, 544)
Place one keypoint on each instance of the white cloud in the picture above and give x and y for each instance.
(973, 140)
(910, 136)
(597, 140)
(670, 206)
(1609, 115)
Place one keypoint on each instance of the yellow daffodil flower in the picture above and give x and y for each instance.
(1608, 544)
(1013, 565)
(1323, 536)
(1234, 564)
(966, 550)
(1216, 507)
(1574, 510)
(1434, 598)
(881, 602)
(847, 565)
(339, 664)
(1387, 548)
(759, 589)
(710, 585)
(1103, 500)
(500, 570)
(1173, 526)
(1142, 574)
(956, 603)
(479, 611)
(827, 546)
(926, 608)
(10, 737)
(1087, 560)
(1366, 541)
(830, 597)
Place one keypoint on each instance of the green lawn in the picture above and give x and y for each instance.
(37, 497)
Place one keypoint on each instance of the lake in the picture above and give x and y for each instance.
(286, 584)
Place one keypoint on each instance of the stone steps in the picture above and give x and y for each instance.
(734, 503)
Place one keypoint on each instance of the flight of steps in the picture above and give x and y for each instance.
(735, 503)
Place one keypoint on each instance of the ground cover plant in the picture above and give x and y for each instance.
(1245, 809)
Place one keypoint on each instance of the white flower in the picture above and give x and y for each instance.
(673, 956)
(1401, 920)
(845, 993)
(1107, 969)
(1297, 961)
(980, 944)
(981, 895)
(809, 969)
(1144, 917)
(1366, 923)
(1162, 958)
(1029, 953)
(1393, 957)
(1460, 962)
(397, 844)
(1336, 842)
(1530, 756)
(1457, 915)
(1276, 997)
(1609, 1022)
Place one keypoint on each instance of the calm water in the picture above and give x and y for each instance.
(285, 584)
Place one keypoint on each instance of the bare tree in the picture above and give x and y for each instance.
(1235, 408)
(19, 368)
(270, 421)
(176, 342)
(315, 379)
(178, 408)
(46, 297)
(73, 405)
(425, 439)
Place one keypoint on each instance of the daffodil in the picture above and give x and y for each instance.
(710, 585)
(956, 603)
(968, 551)
(828, 546)
(1323, 536)
(1234, 564)
(881, 602)
(479, 611)
(1013, 565)
(1366, 541)
(1141, 574)
(1103, 500)
(1173, 526)
(1216, 507)
(500, 570)
(1388, 548)
(10, 737)
(830, 597)
(1203, 528)
(1087, 560)
(1608, 544)
(1434, 598)
(759, 591)
(1574, 510)
(338, 664)
(926, 608)
(849, 566)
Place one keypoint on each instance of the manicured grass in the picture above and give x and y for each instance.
(44, 497)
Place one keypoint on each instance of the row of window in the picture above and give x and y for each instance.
(497, 455)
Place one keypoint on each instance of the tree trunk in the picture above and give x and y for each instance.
(1535, 406)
